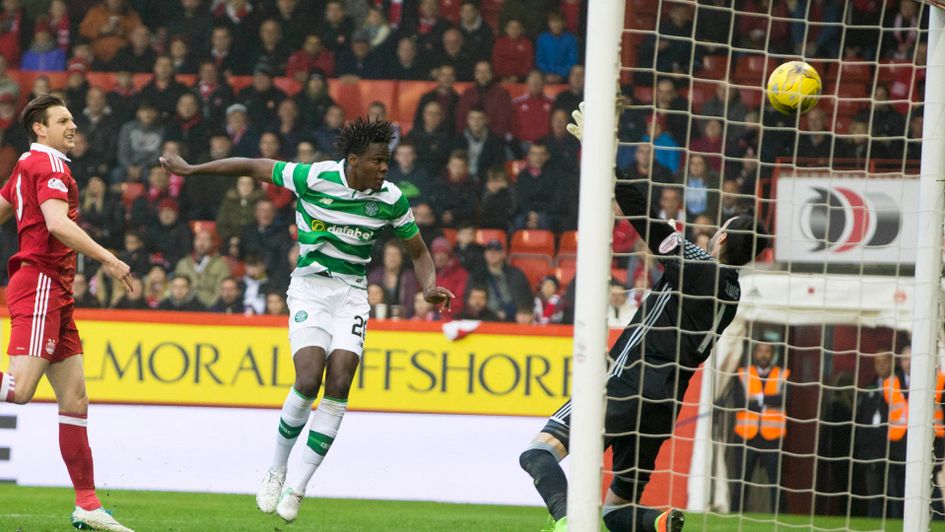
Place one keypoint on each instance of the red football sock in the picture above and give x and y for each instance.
(6, 387)
(74, 446)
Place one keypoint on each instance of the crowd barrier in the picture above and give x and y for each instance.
(502, 377)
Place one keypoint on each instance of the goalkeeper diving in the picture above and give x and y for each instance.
(671, 334)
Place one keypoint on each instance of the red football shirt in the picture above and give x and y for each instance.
(41, 174)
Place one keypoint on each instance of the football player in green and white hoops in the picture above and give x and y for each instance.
(342, 207)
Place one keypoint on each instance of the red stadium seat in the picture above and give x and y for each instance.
(701, 92)
(852, 90)
(450, 235)
(483, 236)
(130, 192)
(643, 94)
(642, 7)
(752, 69)
(566, 270)
(752, 98)
(643, 22)
(533, 242)
(535, 267)
(852, 72)
(714, 67)
(567, 245)
(619, 275)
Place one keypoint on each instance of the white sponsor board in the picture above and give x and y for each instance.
(846, 218)
(447, 458)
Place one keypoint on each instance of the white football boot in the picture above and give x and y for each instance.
(97, 519)
(289, 502)
(268, 495)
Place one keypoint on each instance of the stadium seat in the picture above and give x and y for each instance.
(450, 235)
(643, 7)
(130, 192)
(752, 69)
(643, 94)
(533, 242)
(752, 98)
(701, 92)
(408, 96)
(643, 22)
(483, 236)
(567, 245)
(3, 295)
(535, 267)
(566, 270)
(713, 67)
(619, 275)
(853, 90)
(852, 72)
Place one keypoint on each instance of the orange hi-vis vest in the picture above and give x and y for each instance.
(898, 408)
(939, 423)
(771, 422)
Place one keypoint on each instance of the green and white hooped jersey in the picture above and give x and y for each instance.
(337, 224)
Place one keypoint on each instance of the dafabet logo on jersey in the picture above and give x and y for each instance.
(343, 230)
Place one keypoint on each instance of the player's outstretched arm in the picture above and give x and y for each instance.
(426, 272)
(660, 237)
(258, 169)
(56, 214)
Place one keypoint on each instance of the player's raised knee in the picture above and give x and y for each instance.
(337, 385)
(23, 393)
(307, 385)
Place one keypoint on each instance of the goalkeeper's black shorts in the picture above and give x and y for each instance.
(635, 427)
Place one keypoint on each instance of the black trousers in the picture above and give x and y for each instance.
(747, 458)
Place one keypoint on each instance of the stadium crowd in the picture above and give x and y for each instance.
(479, 166)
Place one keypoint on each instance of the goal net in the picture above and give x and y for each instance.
(804, 416)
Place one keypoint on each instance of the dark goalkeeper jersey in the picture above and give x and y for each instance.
(675, 328)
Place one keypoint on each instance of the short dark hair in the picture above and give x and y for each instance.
(357, 135)
(746, 238)
(36, 111)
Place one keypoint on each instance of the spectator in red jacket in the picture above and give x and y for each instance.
(513, 56)
(532, 119)
(312, 56)
(490, 96)
(450, 274)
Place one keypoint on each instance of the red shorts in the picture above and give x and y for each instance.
(41, 317)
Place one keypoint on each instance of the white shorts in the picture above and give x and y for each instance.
(328, 313)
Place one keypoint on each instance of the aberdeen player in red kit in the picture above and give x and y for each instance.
(42, 196)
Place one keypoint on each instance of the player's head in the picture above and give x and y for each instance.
(364, 145)
(763, 354)
(47, 121)
(739, 240)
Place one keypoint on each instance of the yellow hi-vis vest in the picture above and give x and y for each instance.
(771, 422)
(898, 408)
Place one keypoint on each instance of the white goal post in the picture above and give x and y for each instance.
(602, 64)
(928, 275)
(605, 31)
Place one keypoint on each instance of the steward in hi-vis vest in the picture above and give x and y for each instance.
(882, 416)
(760, 422)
